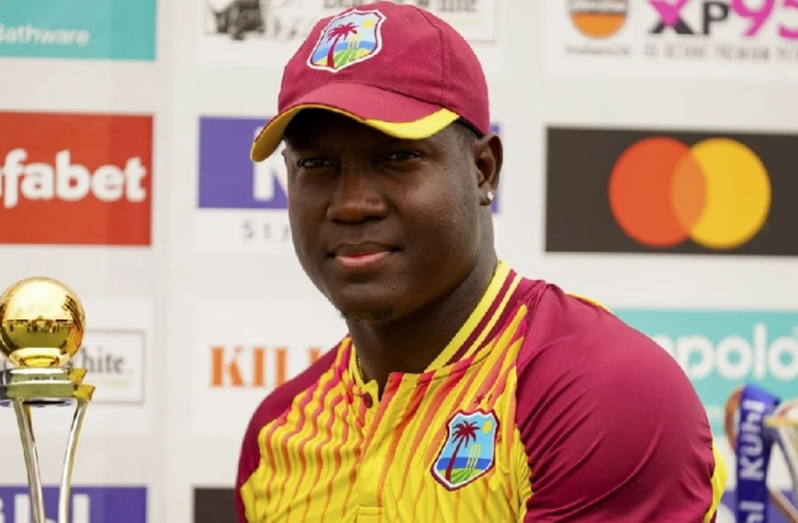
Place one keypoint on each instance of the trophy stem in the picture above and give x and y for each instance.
(31, 460)
(69, 462)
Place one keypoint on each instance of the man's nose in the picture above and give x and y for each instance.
(356, 197)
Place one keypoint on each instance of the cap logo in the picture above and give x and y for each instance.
(348, 39)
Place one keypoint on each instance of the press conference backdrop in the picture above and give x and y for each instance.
(649, 164)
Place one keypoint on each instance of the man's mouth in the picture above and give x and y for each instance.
(361, 256)
(360, 261)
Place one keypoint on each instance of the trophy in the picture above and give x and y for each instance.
(762, 420)
(41, 329)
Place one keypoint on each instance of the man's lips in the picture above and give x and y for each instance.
(360, 261)
(361, 256)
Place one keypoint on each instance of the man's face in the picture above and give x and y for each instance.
(381, 226)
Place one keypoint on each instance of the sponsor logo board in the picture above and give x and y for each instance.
(82, 179)
(242, 204)
(675, 38)
(105, 29)
(88, 504)
(236, 377)
(247, 366)
(611, 190)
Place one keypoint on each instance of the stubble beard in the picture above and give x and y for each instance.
(377, 317)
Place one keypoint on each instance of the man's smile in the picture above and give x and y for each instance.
(361, 256)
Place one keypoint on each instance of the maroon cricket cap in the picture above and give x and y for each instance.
(394, 67)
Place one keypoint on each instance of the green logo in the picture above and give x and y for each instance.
(90, 29)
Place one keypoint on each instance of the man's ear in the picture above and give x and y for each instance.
(488, 157)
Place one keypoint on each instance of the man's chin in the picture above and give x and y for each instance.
(379, 316)
(367, 305)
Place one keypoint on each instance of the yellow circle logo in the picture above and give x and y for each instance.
(716, 193)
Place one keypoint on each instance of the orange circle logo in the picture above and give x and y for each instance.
(598, 18)
(716, 193)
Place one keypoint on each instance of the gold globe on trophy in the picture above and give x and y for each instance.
(41, 329)
(41, 323)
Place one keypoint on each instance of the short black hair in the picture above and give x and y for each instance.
(466, 132)
(466, 127)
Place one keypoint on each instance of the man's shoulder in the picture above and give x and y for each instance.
(595, 394)
(571, 338)
(282, 397)
(577, 326)
(576, 347)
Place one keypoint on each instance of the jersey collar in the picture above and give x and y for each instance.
(474, 333)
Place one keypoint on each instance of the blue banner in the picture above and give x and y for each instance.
(88, 504)
(754, 443)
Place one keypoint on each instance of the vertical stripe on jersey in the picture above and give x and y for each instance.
(332, 413)
(499, 377)
(492, 316)
(305, 432)
(360, 420)
(408, 416)
(345, 423)
(297, 424)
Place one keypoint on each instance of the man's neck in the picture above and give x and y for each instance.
(412, 343)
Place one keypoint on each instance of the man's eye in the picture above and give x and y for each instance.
(312, 163)
(401, 156)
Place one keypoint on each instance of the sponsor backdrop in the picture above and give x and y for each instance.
(649, 164)
(101, 29)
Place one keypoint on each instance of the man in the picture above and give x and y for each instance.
(463, 391)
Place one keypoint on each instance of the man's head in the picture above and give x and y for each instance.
(391, 161)
(394, 67)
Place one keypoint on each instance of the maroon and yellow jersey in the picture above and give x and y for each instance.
(544, 407)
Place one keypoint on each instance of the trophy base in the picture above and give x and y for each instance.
(40, 402)
(39, 357)
(44, 387)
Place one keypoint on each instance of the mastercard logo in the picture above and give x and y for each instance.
(716, 193)
(598, 18)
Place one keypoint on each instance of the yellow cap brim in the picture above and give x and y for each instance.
(269, 138)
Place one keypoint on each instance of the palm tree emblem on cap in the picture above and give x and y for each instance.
(348, 39)
(337, 33)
